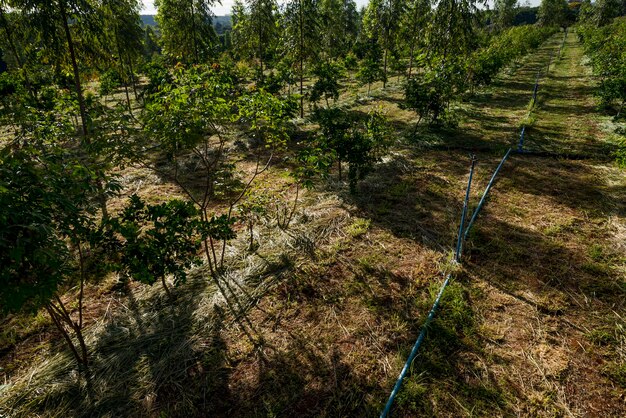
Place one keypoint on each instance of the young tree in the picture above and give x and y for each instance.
(365, 147)
(302, 36)
(252, 209)
(430, 95)
(328, 74)
(255, 30)
(505, 13)
(360, 143)
(157, 240)
(552, 12)
(187, 32)
(46, 231)
(334, 125)
(370, 70)
(122, 26)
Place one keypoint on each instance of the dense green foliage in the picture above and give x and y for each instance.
(43, 194)
(359, 143)
(187, 29)
(502, 50)
(158, 240)
(606, 45)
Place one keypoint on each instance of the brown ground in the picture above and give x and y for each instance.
(533, 324)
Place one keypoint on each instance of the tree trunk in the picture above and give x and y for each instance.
(121, 60)
(130, 108)
(77, 84)
(167, 289)
(59, 316)
(66, 336)
(301, 60)
(261, 50)
(18, 58)
(415, 14)
(293, 209)
(132, 77)
(417, 124)
(83, 347)
(193, 34)
(385, 65)
(411, 60)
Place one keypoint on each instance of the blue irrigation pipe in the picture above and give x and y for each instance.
(563, 43)
(416, 347)
(520, 145)
(459, 241)
(549, 63)
(485, 193)
(431, 314)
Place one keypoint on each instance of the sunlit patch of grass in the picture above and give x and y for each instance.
(359, 227)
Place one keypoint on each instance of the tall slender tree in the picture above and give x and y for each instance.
(381, 23)
(552, 12)
(122, 26)
(339, 27)
(11, 42)
(413, 27)
(505, 13)
(256, 31)
(302, 36)
(187, 32)
(59, 23)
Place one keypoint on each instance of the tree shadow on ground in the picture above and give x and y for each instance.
(154, 358)
(525, 259)
(410, 200)
(572, 183)
(547, 257)
(298, 380)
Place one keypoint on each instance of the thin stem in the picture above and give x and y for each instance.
(63, 331)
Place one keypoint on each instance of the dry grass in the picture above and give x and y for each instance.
(326, 311)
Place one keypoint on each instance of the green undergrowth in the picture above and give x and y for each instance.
(434, 386)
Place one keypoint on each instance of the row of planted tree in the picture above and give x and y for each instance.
(603, 33)
(187, 114)
(605, 45)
